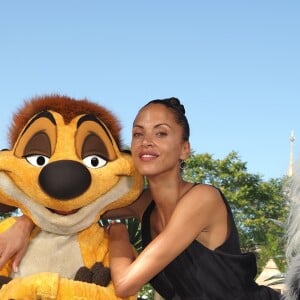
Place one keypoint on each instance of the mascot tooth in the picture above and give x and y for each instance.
(64, 169)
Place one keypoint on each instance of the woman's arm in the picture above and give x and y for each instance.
(129, 274)
(15, 241)
(195, 212)
(121, 254)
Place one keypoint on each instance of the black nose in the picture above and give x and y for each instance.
(65, 179)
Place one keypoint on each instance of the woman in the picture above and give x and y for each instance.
(191, 246)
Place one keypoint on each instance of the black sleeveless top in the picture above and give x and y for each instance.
(202, 274)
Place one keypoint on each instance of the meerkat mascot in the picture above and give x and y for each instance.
(64, 169)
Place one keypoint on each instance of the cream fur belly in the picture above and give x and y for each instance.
(49, 252)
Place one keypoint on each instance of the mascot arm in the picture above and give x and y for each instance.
(46, 286)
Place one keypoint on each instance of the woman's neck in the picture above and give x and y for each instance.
(166, 196)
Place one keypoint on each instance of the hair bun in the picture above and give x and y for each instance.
(176, 103)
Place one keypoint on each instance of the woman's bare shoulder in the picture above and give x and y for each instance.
(206, 189)
(205, 194)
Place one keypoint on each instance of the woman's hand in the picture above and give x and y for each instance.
(15, 241)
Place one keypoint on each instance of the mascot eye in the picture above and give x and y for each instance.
(94, 161)
(37, 160)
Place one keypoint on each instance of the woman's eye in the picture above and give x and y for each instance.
(136, 134)
(161, 134)
(37, 160)
(94, 161)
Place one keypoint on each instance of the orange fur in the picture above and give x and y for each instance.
(68, 108)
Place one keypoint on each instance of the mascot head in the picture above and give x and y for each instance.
(65, 166)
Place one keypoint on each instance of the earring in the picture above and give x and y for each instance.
(182, 165)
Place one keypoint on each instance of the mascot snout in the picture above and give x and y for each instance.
(65, 179)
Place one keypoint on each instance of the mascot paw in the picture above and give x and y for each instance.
(97, 274)
(4, 280)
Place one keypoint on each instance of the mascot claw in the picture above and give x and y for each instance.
(97, 274)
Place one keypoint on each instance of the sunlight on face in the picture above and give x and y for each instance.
(157, 143)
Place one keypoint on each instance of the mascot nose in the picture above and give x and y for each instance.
(65, 179)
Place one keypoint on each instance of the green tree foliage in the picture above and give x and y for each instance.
(258, 206)
(134, 231)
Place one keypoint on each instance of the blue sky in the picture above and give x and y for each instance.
(235, 65)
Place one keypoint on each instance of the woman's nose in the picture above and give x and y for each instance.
(147, 140)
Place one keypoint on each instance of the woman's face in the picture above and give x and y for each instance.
(157, 145)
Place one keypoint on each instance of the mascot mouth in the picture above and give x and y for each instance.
(63, 221)
(63, 212)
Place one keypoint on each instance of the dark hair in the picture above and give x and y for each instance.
(178, 111)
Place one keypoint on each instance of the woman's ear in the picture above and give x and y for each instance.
(186, 150)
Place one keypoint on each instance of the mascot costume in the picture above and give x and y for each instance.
(292, 280)
(64, 170)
